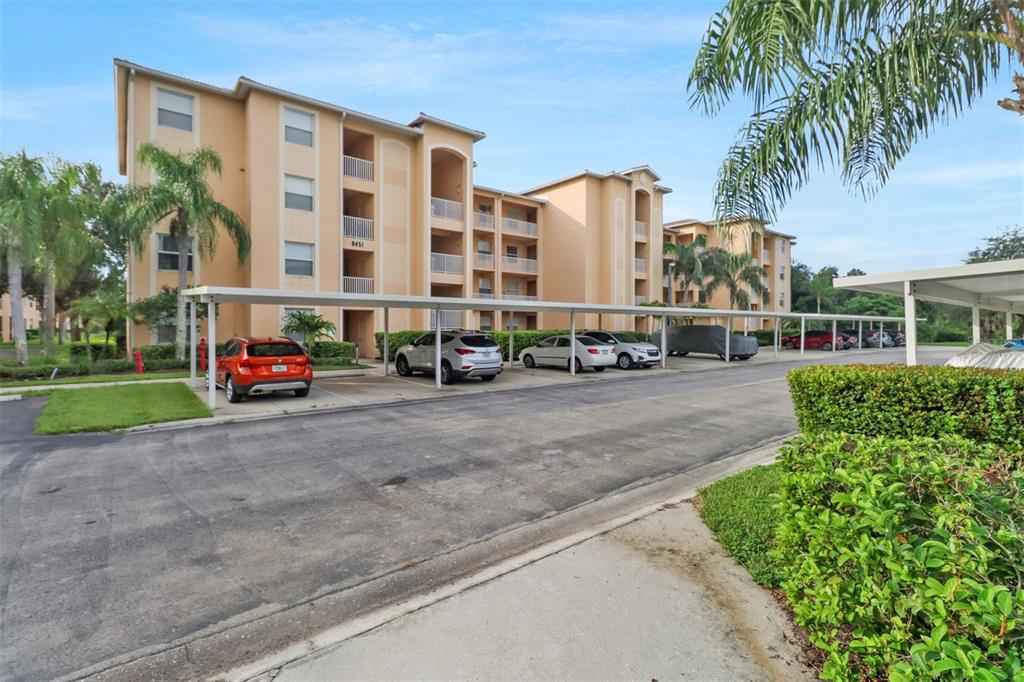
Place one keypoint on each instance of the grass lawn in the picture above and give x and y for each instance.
(116, 407)
(958, 344)
(739, 511)
(29, 384)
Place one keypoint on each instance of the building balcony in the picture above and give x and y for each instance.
(357, 285)
(640, 267)
(522, 227)
(483, 221)
(766, 256)
(640, 228)
(486, 295)
(516, 264)
(357, 228)
(449, 318)
(446, 209)
(483, 260)
(355, 167)
(639, 300)
(446, 263)
(518, 297)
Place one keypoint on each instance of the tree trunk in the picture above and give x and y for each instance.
(49, 303)
(179, 322)
(17, 316)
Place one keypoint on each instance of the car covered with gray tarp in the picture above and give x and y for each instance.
(684, 339)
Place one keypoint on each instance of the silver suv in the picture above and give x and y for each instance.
(464, 353)
(632, 350)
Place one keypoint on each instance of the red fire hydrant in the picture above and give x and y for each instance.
(202, 354)
(138, 360)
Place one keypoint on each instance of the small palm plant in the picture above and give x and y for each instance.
(738, 274)
(311, 327)
(685, 262)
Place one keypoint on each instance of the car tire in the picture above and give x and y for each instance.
(528, 362)
(579, 365)
(624, 361)
(826, 346)
(302, 392)
(402, 366)
(487, 377)
(447, 376)
(229, 388)
(789, 345)
(600, 369)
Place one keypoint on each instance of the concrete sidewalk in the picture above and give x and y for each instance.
(656, 599)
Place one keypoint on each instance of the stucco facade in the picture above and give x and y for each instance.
(29, 309)
(338, 200)
(769, 249)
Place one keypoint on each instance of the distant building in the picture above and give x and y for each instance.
(29, 309)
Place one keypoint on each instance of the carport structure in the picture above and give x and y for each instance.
(214, 295)
(995, 286)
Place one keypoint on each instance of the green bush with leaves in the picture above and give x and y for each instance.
(79, 351)
(42, 371)
(334, 352)
(905, 557)
(892, 400)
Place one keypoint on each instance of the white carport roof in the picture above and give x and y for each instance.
(996, 286)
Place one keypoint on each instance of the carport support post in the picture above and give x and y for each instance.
(728, 336)
(910, 317)
(572, 343)
(211, 349)
(833, 336)
(437, 348)
(511, 346)
(1009, 325)
(881, 331)
(776, 333)
(860, 334)
(193, 351)
(664, 344)
(387, 343)
(975, 323)
(803, 321)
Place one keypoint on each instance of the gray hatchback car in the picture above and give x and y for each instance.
(464, 353)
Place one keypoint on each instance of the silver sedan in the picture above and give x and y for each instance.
(554, 352)
(631, 351)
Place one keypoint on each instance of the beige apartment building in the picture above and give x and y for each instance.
(341, 201)
(769, 249)
(29, 309)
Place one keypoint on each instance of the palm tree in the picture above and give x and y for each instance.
(820, 289)
(850, 84)
(738, 274)
(106, 307)
(310, 326)
(685, 262)
(21, 187)
(182, 194)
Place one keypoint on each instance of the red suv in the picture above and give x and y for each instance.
(822, 340)
(253, 366)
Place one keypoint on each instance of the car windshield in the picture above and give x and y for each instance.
(478, 341)
(626, 337)
(263, 350)
(587, 341)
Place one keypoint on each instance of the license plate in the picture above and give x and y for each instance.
(488, 356)
(279, 368)
(605, 351)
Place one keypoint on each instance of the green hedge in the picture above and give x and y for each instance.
(342, 351)
(904, 557)
(523, 338)
(891, 400)
(42, 371)
(78, 351)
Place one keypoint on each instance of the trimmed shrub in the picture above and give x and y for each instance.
(339, 352)
(157, 364)
(111, 366)
(891, 400)
(158, 351)
(79, 351)
(903, 557)
(42, 371)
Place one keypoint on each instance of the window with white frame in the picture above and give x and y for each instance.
(174, 110)
(297, 338)
(782, 246)
(512, 251)
(298, 259)
(486, 322)
(298, 127)
(298, 193)
(166, 333)
(485, 285)
(782, 299)
(483, 246)
(512, 287)
(782, 272)
(167, 253)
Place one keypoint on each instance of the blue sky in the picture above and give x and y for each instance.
(556, 87)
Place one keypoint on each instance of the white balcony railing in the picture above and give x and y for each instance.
(449, 318)
(357, 285)
(357, 228)
(641, 228)
(518, 297)
(446, 263)
(355, 167)
(753, 261)
(488, 295)
(484, 221)
(518, 264)
(637, 300)
(519, 226)
(640, 264)
(765, 256)
(483, 260)
(446, 209)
